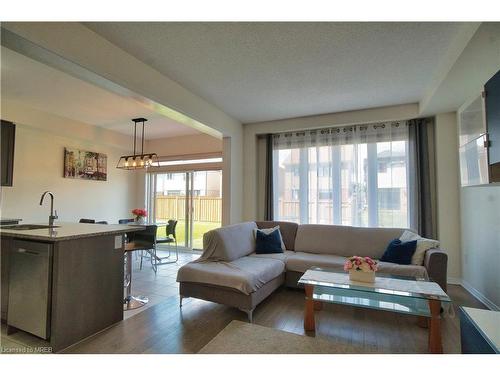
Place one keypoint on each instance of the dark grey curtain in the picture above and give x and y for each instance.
(269, 211)
(422, 178)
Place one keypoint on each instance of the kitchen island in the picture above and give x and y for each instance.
(62, 283)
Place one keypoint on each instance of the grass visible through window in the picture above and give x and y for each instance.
(199, 228)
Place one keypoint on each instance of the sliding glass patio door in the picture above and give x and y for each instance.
(206, 204)
(193, 198)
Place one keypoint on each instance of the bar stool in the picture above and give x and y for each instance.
(131, 302)
(144, 240)
(128, 236)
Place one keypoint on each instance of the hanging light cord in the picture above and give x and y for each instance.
(138, 160)
(142, 149)
(135, 134)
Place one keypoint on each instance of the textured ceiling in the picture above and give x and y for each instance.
(266, 71)
(41, 87)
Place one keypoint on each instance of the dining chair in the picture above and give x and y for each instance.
(125, 221)
(168, 239)
(145, 241)
(87, 221)
(128, 236)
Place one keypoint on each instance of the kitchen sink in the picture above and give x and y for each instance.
(29, 226)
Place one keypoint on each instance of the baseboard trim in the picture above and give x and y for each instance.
(480, 296)
(454, 280)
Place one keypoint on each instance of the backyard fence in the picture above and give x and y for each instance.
(207, 209)
(321, 212)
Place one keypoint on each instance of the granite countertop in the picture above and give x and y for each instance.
(68, 231)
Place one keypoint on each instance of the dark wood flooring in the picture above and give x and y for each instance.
(165, 328)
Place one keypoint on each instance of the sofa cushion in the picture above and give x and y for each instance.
(399, 252)
(301, 262)
(279, 256)
(246, 274)
(288, 231)
(409, 270)
(268, 241)
(423, 244)
(268, 231)
(229, 243)
(344, 240)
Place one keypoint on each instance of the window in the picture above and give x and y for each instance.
(165, 163)
(324, 171)
(172, 192)
(353, 176)
(324, 194)
(389, 198)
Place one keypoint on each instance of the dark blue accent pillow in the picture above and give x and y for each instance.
(399, 252)
(268, 243)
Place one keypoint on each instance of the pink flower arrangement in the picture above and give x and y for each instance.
(364, 264)
(139, 212)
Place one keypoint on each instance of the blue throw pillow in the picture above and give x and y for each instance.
(399, 252)
(268, 243)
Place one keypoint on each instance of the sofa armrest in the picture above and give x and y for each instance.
(436, 263)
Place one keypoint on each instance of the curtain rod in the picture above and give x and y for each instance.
(335, 127)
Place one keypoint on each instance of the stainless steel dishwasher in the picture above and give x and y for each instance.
(30, 267)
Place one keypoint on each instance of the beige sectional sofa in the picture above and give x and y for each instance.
(230, 272)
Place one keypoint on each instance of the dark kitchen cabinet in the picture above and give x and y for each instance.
(492, 92)
(8, 136)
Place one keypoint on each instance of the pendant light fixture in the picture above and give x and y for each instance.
(138, 161)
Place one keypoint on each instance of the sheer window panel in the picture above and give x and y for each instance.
(320, 185)
(351, 176)
(392, 179)
(287, 185)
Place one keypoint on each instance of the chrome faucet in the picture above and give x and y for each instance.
(53, 215)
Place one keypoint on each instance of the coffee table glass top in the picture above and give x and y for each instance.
(388, 292)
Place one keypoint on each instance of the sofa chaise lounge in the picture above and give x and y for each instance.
(231, 273)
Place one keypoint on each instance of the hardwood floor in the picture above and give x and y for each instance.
(166, 328)
(157, 287)
(162, 327)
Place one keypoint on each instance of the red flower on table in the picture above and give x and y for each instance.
(139, 212)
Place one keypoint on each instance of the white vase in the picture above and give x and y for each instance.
(140, 220)
(364, 277)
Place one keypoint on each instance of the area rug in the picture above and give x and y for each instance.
(244, 338)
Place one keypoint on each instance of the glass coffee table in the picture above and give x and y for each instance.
(419, 297)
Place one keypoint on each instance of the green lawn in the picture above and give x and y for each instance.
(199, 228)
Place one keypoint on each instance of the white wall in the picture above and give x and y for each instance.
(448, 194)
(232, 165)
(70, 41)
(38, 166)
(184, 145)
(479, 206)
(479, 60)
(480, 222)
